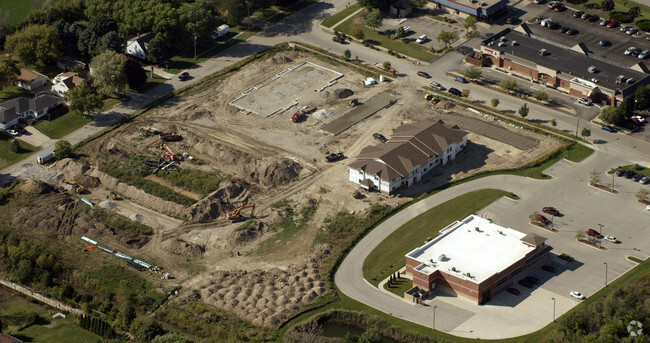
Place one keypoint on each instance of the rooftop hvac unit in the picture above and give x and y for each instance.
(442, 257)
(431, 260)
(453, 269)
(477, 229)
(483, 3)
(629, 81)
(592, 69)
(468, 275)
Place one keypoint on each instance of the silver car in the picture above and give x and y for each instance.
(436, 85)
(643, 54)
(631, 31)
(624, 28)
(644, 180)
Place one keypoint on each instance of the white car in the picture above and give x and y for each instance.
(577, 295)
(13, 132)
(644, 180)
(584, 101)
(639, 118)
(647, 207)
(421, 39)
(611, 239)
(629, 50)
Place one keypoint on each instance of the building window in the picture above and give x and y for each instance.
(502, 280)
(515, 272)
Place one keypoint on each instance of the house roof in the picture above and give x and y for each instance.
(7, 115)
(4, 338)
(411, 145)
(22, 104)
(143, 40)
(27, 75)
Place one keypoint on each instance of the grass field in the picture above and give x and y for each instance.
(388, 256)
(7, 93)
(329, 22)
(370, 35)
(7, 157)
(399, 287)
(61, 123)
(17, 9)
(13, 307)
(620, 6)
(150, 83)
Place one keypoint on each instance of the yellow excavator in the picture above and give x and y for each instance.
(77, 187)
(236, 214)
(113, 196)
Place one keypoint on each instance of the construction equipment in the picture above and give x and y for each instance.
(169, 154)
(148, 131)
(76, 186)
(428, 96)
(357, 194)
(169, 137)
(235, 215)
(113, 196)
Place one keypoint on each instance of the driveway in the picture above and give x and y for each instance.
(34, 137)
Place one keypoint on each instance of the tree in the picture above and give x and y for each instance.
(580, 235)
(642, 97)
(626, 107)
(83, 100)
(171, 337)
(419, 3)
(594, 177)
(35, 45)
(356, 31)
(199, 19)
(447, 37)
(495, 102)
(470, 22)
(370, 336)
(107, 72)
(607, 5)
(369, 4)
(347, 54)
(157, 50)
(473, 72)
(136, 76)
(540, 95)
(399, 33)
(128, 315)
(508, 85)
(585, 132)
(15, 147)
(553, 122)
(62, 149)
(9, 72)
(148, 331)
(465, 93)
(634, 12)
(386, 65)
(523, 110)
(374, 18)
(236, 10)
(110, 41)
(611, 115)
(642, 195)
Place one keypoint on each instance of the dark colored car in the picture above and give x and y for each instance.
(578, 14)
(338, 40)
(424, 74)
(559, 8)
(533, 279)
(512, 290)
(629, 174)
(620, 172)
(543, 219)
(608, 128)
(334, 157)
(525, 283)
(460, 79)
(564, 29)
(19, 129)
(604, 42)
(592, 17)
(549, 268)
(380, 137)
(184, 75)
(455, 92)
(551, 210)
(593, 233)
(637, 177)
(572, 32)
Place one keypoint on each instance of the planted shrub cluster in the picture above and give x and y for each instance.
(97, 326)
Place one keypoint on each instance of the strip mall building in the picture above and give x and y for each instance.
(474, 258)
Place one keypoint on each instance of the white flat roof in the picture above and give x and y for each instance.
(481, 253)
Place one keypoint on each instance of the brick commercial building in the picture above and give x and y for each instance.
(567, 69)
(482, 9)
(413, 150)
(474, 258)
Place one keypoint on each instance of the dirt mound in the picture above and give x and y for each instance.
(233, 193)
(179, 246)
(107, 204)
(242, 237)
(89, 181)
(35, 187)
(70, 168)
(264, 297)
(281, 173)
(343, 93)
(284, 57)
(70, 222)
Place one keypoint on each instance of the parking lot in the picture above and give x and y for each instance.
(590, 33)
(422, 25)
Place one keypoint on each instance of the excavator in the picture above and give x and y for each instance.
(235, 215)
(169, 154)
(77, 187)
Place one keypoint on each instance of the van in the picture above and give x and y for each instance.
(221, 31)
(45, 157)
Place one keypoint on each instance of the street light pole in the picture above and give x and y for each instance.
(434, 318)
(605, 263)
(613, 173)
(577, 125)
(600, 233)
(553, 310)
(195, 47)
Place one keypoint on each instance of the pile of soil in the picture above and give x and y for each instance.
(215, 205)
(69, 222)
(343, 93)
(284, 57)
(281, 173)
(179, 246)
(243, 237)
(264, 297)
(35, 187)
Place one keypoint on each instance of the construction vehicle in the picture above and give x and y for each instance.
(113, 196)
(169, 154)
(428, 97)
(357, 194)
(169, 137)
(236, 214)
(76, 186)
(148, 131)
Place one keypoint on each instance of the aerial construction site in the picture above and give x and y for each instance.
(230, 185)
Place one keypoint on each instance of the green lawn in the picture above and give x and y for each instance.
(14, 307)
(388, 256)
(150, 83)
(620, 6)
(180, 63)
(329, 22)
(62, 123)
(7, 157)
(399, 287)
(17, 9)
(637, 168)
(372, 36)
(111, 102)
(7, 93)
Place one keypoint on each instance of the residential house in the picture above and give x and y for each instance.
(67, 63)
(14, 109)
(4, 338)
(67, 81)
(30, 80)
(137, 46)
(413, 150)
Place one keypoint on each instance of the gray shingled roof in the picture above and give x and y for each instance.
(533, 239)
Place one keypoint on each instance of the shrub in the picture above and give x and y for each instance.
(356, 31)
(566, 257)
(120, 222)
(592, 6)
(644, 25)
(620, 16)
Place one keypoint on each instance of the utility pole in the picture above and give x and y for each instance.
(613, 172)
(600, 233)
(553, 310)
(605, 263)
(434, 318)
(577, 125)
(195, 47)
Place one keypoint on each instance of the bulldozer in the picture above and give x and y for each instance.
(236, 214)
(76, 186)
(113, 196)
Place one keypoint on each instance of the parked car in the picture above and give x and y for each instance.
(637, 177)
(604, 22)
(625, 28)
(184, 75)
(639, 118)
(460, 79)
(604, 42)
(631, 31)
(629, 174)
(608, 128)
(338, 40)
(593, 233)
(564, 29)
(19, 129)
(549, 268)
(559, 8)
(629, 50)
(620, 172)
(644, 180)
(611, 239)
(380, 137)
(552, 4)
(334, 157)
(424, 74)
(296, 117)
(455, 92)
(525, 283)
(643, 54)
(592, 17)
(612, 23)
(543, 219)
(636, 52)
(578, 14)
(584, 101)
(577, 295)
(512, 290)
(436, 85)
(572, 32)
(13, 132)
(421, 39)
(551, 210)
(532, 279)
